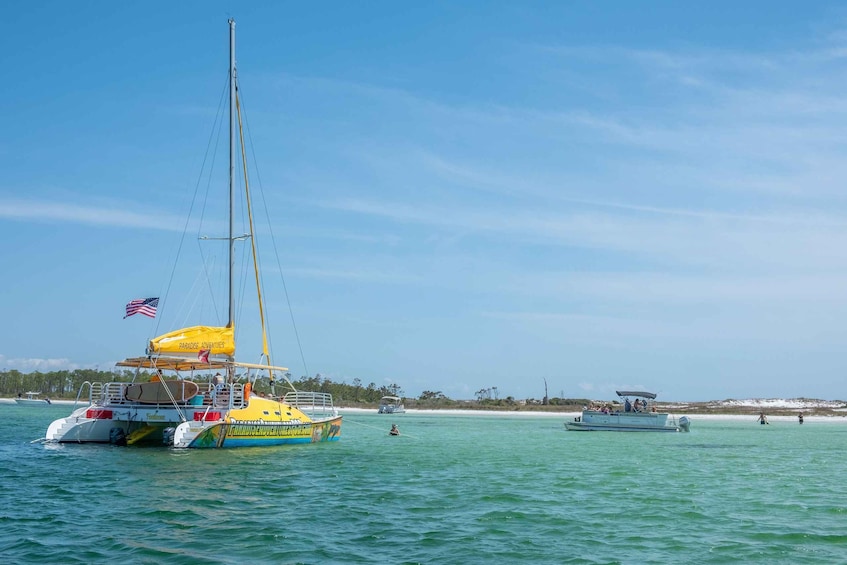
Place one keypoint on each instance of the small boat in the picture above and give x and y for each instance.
(31, 399)
(639, 415)
(391, 405)
(182, 404)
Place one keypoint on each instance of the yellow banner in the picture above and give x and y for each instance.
(198, 340)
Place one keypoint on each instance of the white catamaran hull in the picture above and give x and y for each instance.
(116, 425)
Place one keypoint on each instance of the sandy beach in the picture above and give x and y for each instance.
(569, 415)
(530, 414)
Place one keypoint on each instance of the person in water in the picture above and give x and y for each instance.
(394, 430)
(763, 419)
(800, 417)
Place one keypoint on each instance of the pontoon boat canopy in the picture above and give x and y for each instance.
(649, 395)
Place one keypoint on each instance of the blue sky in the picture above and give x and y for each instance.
(464, 195)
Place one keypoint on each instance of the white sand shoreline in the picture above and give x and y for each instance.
(527, 414)
(570, 415)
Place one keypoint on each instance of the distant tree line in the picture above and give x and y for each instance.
(66, 384)
(55, 384)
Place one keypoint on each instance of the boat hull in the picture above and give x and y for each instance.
(391, 410)
(226, 418)
(33, 402)
(201, 435)
(593, 421)
(115, 424)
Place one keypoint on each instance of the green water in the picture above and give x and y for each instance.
(451, 489)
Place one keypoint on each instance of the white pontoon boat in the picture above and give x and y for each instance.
(638, 415)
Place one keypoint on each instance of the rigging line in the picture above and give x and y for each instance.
(402, 434)
(259, 275)
(241, 168)
(188, 217)
(273, 240)
(219, 122)
(197, 296)
(184, 310)
(249, 211)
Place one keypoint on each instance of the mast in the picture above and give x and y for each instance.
(231, 322)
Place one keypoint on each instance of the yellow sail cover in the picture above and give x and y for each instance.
(207, 339)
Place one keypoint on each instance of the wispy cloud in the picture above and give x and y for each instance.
(361, 275)
(684, 237)
(27, 365)
(92, 215)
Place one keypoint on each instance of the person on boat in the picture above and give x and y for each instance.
(394, 430)
(217, 386)
(762, 419)
(627, 407)
(800, 417)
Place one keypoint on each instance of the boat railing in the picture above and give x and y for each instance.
(316, 404)
(225, 396)
(91, 394)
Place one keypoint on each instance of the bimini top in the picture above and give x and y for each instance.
(189, 364)
(649, 395)
(170, 363)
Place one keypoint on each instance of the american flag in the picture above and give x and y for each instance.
(146, 306)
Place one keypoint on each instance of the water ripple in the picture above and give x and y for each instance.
(454, 490)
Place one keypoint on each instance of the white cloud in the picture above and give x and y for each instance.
(27, 365)
(104, 216)
(746, 242)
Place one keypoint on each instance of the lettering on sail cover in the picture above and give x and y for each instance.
(197, 345)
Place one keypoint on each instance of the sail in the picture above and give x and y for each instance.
(194, 340)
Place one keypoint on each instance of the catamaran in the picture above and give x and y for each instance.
(182, 405)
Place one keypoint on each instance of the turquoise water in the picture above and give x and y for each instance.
(451, 489)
